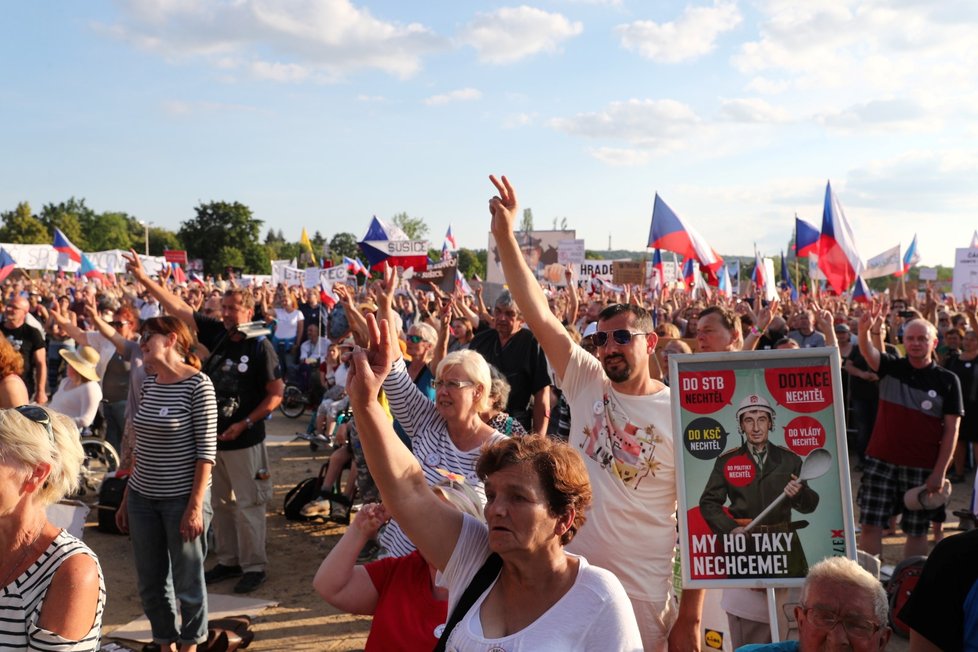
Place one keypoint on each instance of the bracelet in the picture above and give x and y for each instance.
(754, 331)
(249, 422)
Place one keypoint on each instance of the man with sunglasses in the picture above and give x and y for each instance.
(29, 342)
(843, 608)
(621, 423)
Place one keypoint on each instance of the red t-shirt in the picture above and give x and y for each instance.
(407, 614)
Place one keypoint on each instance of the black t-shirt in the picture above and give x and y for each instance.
(26, 340)
(522, 362)
(942, 605)
(240, 371)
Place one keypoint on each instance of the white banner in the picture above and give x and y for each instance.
(965, 281)
(570, 251)
(884, 264)
(331, 276)
(287, 275)
(44, 257)
(311, 279)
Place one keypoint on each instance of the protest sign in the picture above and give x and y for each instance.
(442, 274)
(927, 273)
(628, 271)
(540, 251)
(311, 279)
(570, 251)
(745, 423)
(884, 264)
(965, 280)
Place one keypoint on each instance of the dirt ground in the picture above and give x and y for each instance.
(302, 621)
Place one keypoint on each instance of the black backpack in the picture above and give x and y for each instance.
(302, 494)
(109, 498)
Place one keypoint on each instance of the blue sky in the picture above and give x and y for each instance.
(323, 113)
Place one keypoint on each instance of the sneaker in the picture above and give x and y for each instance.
(221, 572)
(340, 510)
(318, 507)
(250, 581)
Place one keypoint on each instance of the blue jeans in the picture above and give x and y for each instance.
(164, 562)
(115, 422)
(283, 347)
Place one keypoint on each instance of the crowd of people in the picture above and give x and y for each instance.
(505, 501)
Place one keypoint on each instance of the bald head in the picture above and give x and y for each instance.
(15, 312)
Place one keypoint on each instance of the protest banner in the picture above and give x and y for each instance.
(178, 256)
(442, 274)
(884, 264)
(570, 251)
(311, 279)
(330, 276)
(745, 423)
(927, 273)
(540, 251)
(965, 280)
(628, 271)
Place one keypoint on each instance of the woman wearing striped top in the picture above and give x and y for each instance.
(51, 588)
(167, 507)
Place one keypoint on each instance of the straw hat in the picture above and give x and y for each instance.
(83, 360)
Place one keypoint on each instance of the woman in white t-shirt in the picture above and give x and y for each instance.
(288, 324)
(537, 489)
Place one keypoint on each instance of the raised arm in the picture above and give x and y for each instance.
(339, 580)
(107, 331)
(172, 304)
(428, 522)
(550, 333)
(570, 316)
(62, 319)
(869, 321)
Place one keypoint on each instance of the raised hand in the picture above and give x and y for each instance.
(134, 265)
(371, 366)
(503, 206)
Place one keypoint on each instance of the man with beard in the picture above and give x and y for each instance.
(621, 423)
(515, 352)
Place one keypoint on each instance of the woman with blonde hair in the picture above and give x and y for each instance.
(166, 507)
(51, 589)
(13, 391)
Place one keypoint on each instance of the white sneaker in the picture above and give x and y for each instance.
(318, 507)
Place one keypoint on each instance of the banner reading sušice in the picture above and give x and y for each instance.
(762, 466)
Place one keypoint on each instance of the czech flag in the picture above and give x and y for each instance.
(669, 232)
(689, 274)
(7, 264)
(757, 276)
(837, 255)
(910, 258)
(806, 238)
(179, 276)
(861, 292)
(386, 243)
(88, 270)
(461, 283)
(194, 277)
(63, 245)
(724, 287)
(448, 246)
(659, 268)
(786, 282)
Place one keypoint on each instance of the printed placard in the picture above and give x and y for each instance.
(762, 466)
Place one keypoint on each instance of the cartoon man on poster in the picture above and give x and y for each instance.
(748, 479)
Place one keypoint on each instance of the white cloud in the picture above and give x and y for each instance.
(619, 156)
(461, 95)
(895, 114)
(519, 120)
(692, 35)
(513, 33)
(752, 110)
(659, 124)
(282, 40)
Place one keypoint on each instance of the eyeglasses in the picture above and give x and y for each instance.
(451, 384)
(118, 324)
(146, 337)
(826, 619)
(39, 416)
(415, 339)
(621, 336)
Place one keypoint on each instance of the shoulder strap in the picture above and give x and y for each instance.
(483, 578)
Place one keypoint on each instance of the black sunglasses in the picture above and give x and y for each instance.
(415, 339)
(39, 416)
(621, 336)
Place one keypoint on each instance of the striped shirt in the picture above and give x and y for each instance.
(430, 443)
(176, 426)
(21, 601)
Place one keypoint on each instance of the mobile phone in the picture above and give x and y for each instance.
(907, 314)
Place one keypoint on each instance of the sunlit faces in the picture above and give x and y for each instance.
(456, 395)
(233, 312)
(756, 426)
(506, 320)
(622, 362)
(517, 513)
(712, 335)
(919, 342)
(839, 617)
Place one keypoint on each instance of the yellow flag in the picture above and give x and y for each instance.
(305, 242)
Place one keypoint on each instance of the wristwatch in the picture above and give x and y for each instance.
(249, 422)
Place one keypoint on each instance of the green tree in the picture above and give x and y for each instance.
(343, 244)
(21, 227)
(526, 224)
(222, 225)
(317, 242)
(161, 239)
(414, 227)
(227, 257)
(73, 217)
(470, 262)
(111, 231)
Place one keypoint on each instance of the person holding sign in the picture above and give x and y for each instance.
(621, 424)
(753, 476)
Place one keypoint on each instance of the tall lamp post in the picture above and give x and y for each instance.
(146, 226)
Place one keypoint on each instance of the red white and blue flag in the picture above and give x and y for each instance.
(89, 270)
(910, 258)
(461, 284)
(194, 277)
(669, 232)
(448, 246)
(861, 292)
(757, 276)
(689, 273)
(179, 276)
(7, 264)
(786, 282)
(659, 268)
(387, 243)
(838, 257)
(806, 238)
(724, 287)
(63, 245)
